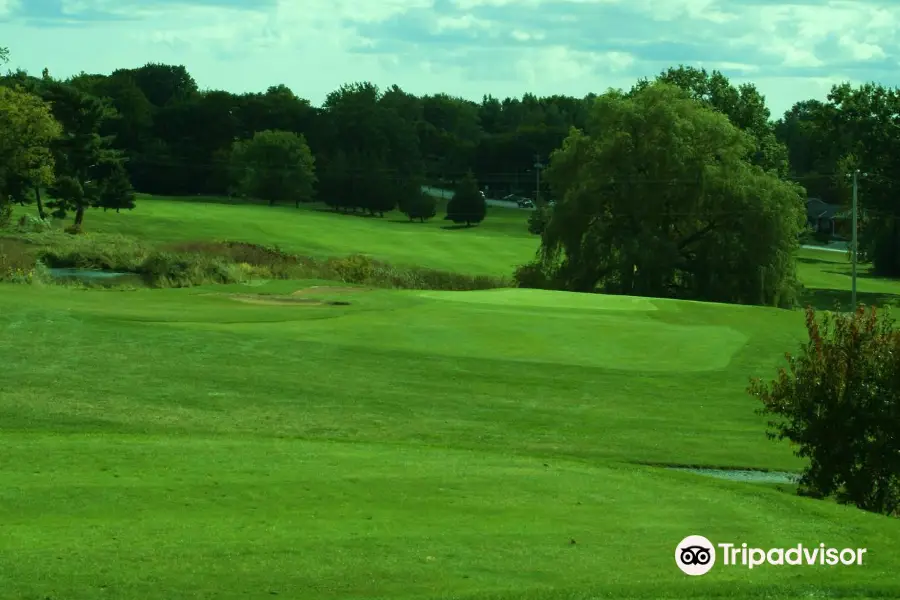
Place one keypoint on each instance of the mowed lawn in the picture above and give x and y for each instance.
(162, 444)
(495, 247)
(486, 445)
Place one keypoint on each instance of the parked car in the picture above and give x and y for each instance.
(521, 201)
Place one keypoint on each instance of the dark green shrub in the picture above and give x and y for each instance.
(169, 269)
(419, 206)
(276, 262)
(355, 268)
(33, 224)
(538, 219)
(532, 276)
(837, 403)
(111, 253)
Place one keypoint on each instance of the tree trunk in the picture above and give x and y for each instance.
(40, 202)
(79, 216)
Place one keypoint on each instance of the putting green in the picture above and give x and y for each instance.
(545, 299)
(616, 339)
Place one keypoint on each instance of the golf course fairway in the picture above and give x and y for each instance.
(296, 440)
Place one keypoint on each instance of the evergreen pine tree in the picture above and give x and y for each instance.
(467, 204)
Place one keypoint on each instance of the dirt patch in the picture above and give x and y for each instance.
(328, 289)
(277, 300)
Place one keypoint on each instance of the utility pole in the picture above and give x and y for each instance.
(854, 249)
(537, 172)
(853, 242)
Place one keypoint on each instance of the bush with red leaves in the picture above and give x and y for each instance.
(838, 403)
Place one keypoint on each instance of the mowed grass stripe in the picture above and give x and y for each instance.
(324, 520)
(304, 378)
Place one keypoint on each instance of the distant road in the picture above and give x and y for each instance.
(833, 247)
(446, 194)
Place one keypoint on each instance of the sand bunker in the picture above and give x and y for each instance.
(328, 289)
(275, 300)
(278, 300)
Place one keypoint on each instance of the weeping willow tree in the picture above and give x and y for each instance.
(659, 197)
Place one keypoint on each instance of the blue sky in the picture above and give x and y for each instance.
(792, 51)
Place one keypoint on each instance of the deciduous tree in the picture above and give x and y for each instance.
(276, 166)
(27, 130)
(744, 106)
(659, 198)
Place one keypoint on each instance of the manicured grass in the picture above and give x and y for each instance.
(827, 275)
(180, 444)
(161, 444)
(495, 247)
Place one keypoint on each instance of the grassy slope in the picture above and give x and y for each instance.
(828, 277)
(496, 248)
(410, 445)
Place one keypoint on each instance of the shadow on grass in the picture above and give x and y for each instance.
(866, 274)
(815, 261)
(828, 299)
(457, 227)
(349, 213)
(238, 201)
(228, 200)
(415, 222)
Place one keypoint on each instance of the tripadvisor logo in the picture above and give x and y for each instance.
(696, 555)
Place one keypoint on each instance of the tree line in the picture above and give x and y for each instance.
(152, 128)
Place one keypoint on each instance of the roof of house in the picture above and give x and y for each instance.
(819, 209)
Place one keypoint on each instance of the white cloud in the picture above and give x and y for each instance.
(8, 6)
(561, 66)
(525, 36)
(460, 23)
(501, 47)
(861, 50)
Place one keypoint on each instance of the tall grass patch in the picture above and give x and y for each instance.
(18, 261)
(189, 264)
